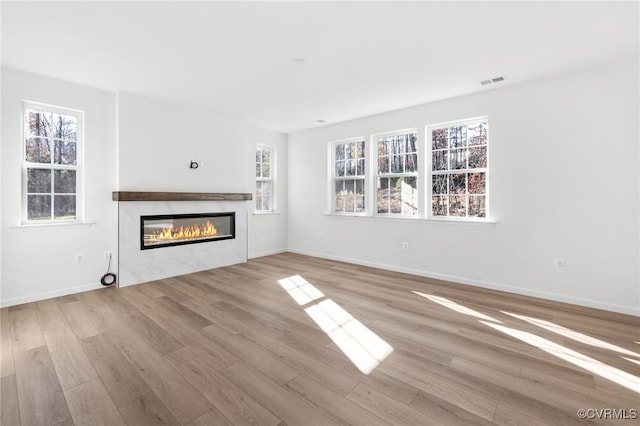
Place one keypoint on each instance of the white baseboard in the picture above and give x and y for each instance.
(462, 280)
(483, 284)
(49, 294)
(266, 253)
(87, 287)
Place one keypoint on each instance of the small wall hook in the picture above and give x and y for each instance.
(194, 165)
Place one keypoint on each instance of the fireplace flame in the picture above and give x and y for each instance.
(184, 233)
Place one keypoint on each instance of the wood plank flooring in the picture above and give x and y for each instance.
(260, 344)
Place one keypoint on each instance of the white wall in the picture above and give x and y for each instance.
(268, 231)
(564, 183)
(39, 262)
(157, 140)
(132, 144)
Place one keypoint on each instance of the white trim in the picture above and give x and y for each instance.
(452, 220)
(273, 169)
(78, 168)
(348, 214)
(396, 132)
(51, 225)
(374, 151)
(423, 175)
(266, 253)
(331, 178)
(590, 303)
(414, 219)
(470, 120)
(49, 294)
(429, 172)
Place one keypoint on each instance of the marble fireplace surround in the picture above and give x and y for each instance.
(136, 266)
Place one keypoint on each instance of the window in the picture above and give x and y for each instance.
(458, 172)
(51, 170)
(265, 178)
(349, 176)
(454, 175)
(397, 173)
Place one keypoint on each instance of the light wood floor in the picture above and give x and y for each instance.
(232, 346)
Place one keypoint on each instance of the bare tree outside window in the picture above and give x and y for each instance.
(265, 178)
(349, 176)
(397, 174)
(51, 163)
(459, 166)
(452, 174)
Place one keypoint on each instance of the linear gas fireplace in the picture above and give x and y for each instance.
(178, 229)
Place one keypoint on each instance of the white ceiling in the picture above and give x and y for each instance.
(361, 58)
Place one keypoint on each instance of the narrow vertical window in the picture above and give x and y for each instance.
(349, 162)
(458, 169)
(52, 140)
(397, 174)
(265, 178)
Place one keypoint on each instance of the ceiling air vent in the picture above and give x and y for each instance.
(494, 80)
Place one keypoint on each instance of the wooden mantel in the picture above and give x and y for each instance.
(179, 196)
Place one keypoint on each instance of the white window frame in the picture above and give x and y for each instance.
(273, 169)
(333, 179)
(78, 167)
(430, 173)
(375, 140)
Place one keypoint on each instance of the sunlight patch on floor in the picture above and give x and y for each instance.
(594, 366)
(456, 307)
(300, 289)
(635, 361)
(574, 335)
(363, 347)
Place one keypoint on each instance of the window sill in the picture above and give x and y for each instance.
(472, 222)
(265, 213)
(359, 215)
(444, 221)
(52, 226)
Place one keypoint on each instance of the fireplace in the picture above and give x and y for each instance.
(179, 229)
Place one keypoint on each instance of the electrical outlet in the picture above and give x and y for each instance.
(107, 255)
(77, 258)
(405, 245)
(559, 263)
(322, 236)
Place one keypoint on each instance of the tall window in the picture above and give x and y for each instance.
(265, 178)
(349, 176)
(397, 173)
(458, 172)
(51, 170)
